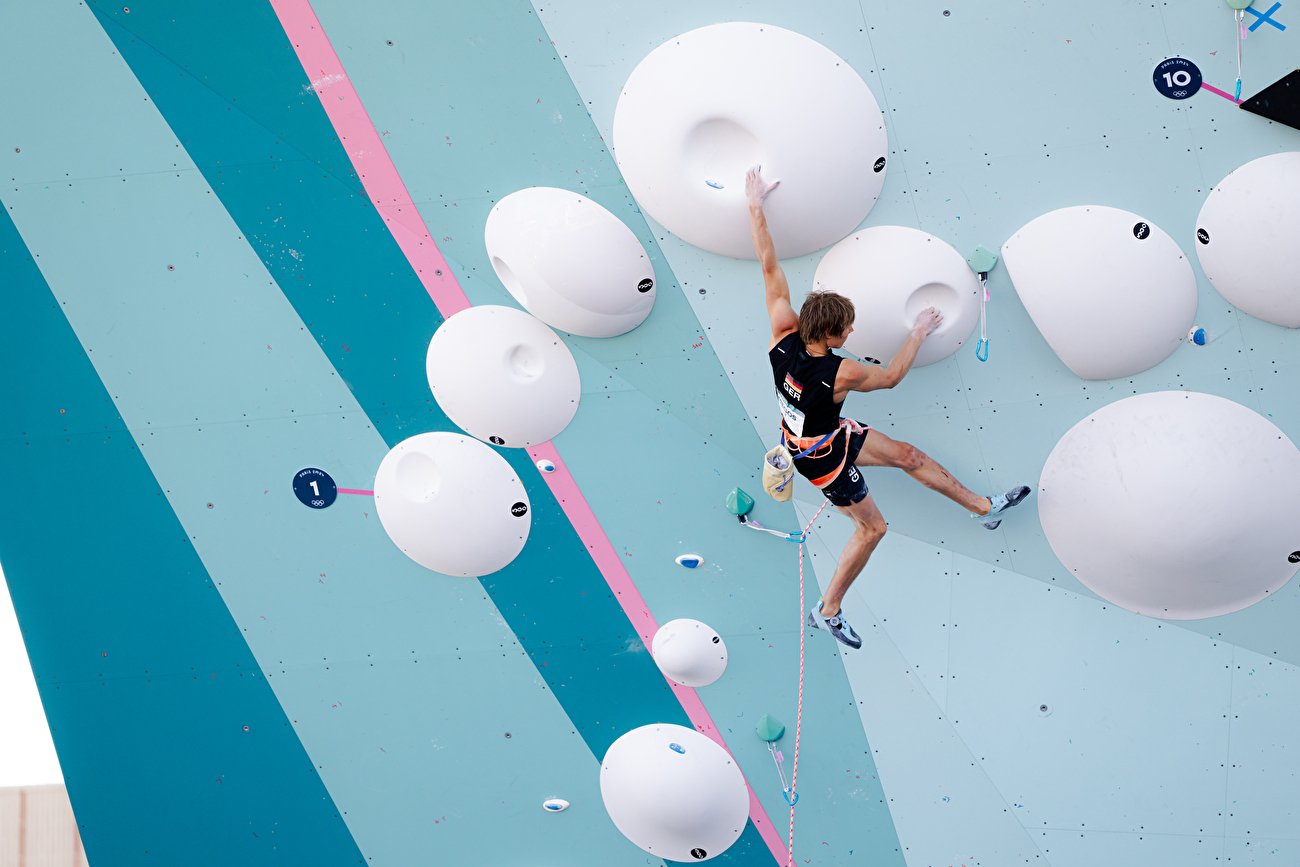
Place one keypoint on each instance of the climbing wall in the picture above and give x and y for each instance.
(187, 221)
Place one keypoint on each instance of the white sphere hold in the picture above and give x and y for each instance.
(452, 504)
(570, 262)
(703, 107)
(1175, 504)
(891, 274)
(503, 376)
(1112, 294)
(674, 792)
(1248, 238)
(689, 652)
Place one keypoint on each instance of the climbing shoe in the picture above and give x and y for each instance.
(1000, 504)
(837, 626)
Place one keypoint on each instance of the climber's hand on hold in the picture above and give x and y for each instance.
(756, 189)
(927, 321)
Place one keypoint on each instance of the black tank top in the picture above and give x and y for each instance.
(805, 391)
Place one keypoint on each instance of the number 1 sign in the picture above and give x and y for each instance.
(1177, 78)
(315, 488)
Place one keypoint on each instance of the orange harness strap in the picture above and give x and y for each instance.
(801, 443)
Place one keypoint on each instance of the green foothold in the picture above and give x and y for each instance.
(982, 259)
(769, 728)
(738, 502)
(1239, 4)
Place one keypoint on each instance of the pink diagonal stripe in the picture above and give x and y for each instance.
(580, 514)
(361, 140)
(356, 491)
(385, 188)
(1212, 89)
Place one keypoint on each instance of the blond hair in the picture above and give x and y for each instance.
(824, 313)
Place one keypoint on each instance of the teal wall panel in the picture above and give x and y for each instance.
(400, 683)
(173, 745)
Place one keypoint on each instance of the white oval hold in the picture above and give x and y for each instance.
(1176, 505)
(703, 107)
(690, 561)
(570, 262)
(546, 465)
(1248, 238)
(674, 792)
(555, 805)
(503, 376)
(452, 504)
(1112, 294)
(689, 652)
(891, 274)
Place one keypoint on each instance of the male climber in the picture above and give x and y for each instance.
(811, 384)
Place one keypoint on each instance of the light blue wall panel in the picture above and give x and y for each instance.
(995, 115)
(1158, 744)
(945, 807)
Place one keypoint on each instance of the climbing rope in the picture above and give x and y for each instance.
(793, 797)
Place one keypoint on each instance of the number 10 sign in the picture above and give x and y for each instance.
(1177, 78)
(315, 488)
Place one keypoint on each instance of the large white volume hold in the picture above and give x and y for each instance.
(689, 652)
(891, 274)
(703, 107)
(503, 376)
(1112, 294)
(570, 262)
(674, 792)
(1248, 238)
(1175, 504)
(452, 504)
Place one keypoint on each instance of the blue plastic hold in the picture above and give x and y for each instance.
(690, 561)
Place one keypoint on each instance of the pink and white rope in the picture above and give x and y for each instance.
(798, 723)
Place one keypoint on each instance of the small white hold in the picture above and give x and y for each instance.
(452, 504)
(555, 805)
(570, 262)
(546, 465)
(892, 274)
(674, 792)
(690, 561)
(689, 652)
(1111, 293)
(503, 376)
(1246, 238)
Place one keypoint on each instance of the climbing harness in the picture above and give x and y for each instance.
(793, 797)
(981, 261)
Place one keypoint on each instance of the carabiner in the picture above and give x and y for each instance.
(786, 793)
(982, 345)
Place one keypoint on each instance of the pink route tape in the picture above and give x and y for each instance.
(580, 514)
(356, 491)
(385, 188)
(369, 156)
(1212, 89)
